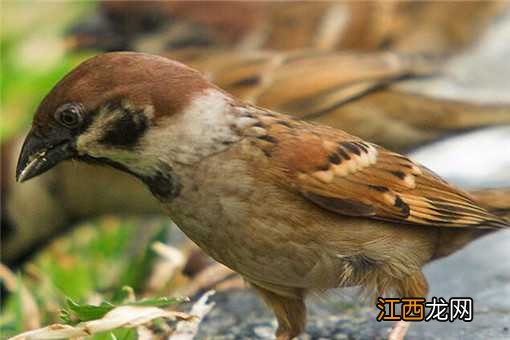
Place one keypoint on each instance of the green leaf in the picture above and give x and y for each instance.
(122, 295)
(119, 334)
(89, 312)
(76, 312)
(157, 302)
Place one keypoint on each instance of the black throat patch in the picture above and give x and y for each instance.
(165, 185)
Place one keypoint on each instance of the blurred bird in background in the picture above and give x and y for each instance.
(440, 28)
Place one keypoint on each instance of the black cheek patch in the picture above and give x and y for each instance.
(126, 131)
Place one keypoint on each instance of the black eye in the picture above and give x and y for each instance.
(69, 115)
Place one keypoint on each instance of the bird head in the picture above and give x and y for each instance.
(137, 112)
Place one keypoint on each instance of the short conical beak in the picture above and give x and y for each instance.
(39, 154)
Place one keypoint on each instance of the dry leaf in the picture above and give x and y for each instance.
(187, 329)
(119, 317)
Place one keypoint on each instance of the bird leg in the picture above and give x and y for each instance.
(290, 312)
(415, 286)
(399, 330)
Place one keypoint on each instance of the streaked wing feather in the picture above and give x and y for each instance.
(349, 176)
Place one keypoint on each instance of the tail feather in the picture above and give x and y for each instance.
(496, 201)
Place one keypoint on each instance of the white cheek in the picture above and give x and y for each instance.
(87, 144)
(194, 133)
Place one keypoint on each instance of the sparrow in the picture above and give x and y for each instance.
(292, 206)
(415, 27)
(360, 93)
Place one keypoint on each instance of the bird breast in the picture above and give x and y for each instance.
(275, 236)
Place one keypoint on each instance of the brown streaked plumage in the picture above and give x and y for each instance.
(346, 175)
(294, 207)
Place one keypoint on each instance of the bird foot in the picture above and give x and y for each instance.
(399, 330)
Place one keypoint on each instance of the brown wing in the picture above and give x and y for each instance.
(349, 176)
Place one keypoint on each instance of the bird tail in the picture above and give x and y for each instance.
(496, 201)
